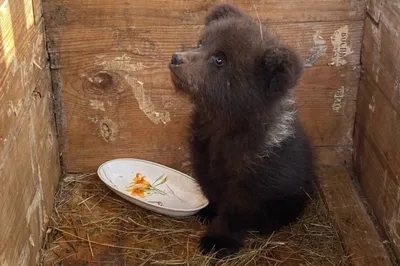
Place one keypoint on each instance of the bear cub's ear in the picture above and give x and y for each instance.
(223, 11)
(282, 68)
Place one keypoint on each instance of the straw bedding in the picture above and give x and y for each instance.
(93, 226)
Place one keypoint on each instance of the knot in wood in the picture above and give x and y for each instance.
(102, 80)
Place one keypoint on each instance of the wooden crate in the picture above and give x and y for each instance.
(130, 46)
(88, 81)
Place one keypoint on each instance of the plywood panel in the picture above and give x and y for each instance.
(311, 40)
(121, 13)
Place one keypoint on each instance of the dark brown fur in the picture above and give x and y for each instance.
(249, 153)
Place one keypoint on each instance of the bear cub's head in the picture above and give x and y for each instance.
(237, 65)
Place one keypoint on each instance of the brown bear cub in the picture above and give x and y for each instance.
(249, 152)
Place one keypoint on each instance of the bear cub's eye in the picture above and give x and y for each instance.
(199, 44)
(218, 60)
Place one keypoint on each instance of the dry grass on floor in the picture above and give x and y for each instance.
(93, 226)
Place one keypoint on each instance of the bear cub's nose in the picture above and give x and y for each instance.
(176, 59)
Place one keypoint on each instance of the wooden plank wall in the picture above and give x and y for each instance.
(377, 138)
(109, 63)
(29, 161)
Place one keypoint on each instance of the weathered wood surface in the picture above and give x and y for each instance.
(362, 242)
(381, 59)
(374, 9)
(19, 82)
(16, 21)
(121, 13)
(156, 43)
(109, 62)
(114, 105)
(377, 137)
(334, 156)
(29, 164)
(29, 174)
(378, 155)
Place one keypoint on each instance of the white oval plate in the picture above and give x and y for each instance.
(171, 192)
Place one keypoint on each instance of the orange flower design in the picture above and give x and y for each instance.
(139, 186)
(140, 180)
(137, 192)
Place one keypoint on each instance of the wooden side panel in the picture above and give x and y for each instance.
(20, 202)
(381, 60)
(19, 83)
(377, 136)
(109, 62)
(357, 231)
(16, 21)
(29, 163)
(378, 156)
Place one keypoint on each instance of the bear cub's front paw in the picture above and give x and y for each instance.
(207, 214)
(223, 246)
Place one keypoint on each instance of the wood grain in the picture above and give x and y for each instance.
(16, 22)
(356, 229)
(333, 156)
(311, 40)
(377, 138)
(378, 156)
(19, 83)
(37, 10)
(113, 104)
(374, 9)
(381, 59)
(129, 47)
(121, 13)
(18, 191)
(30, 171)
(44, 148)
(29, 163)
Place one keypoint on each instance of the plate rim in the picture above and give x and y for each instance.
(144, 201)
